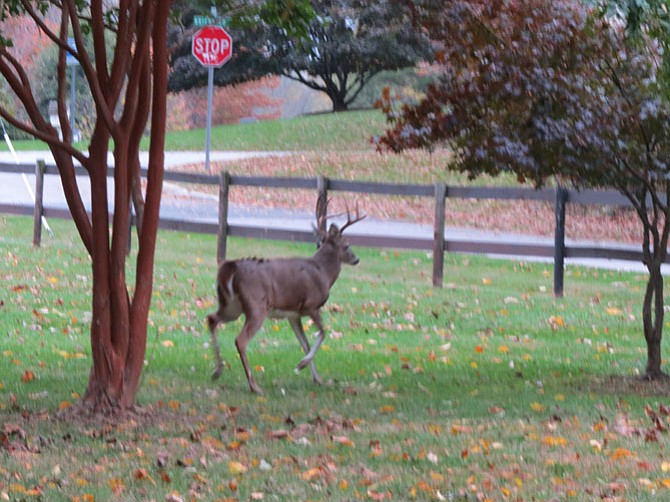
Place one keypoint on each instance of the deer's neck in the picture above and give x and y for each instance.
(327, 260)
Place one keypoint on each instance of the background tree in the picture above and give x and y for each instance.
(127, 90)
(342, 47)
(550, 91)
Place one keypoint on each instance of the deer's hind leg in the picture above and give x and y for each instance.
(213, 320)
(307, 360)
(252, 324)
(229, 310)
(296, 324)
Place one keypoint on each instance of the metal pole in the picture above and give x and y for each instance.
(438, 234)
(559, 241)
(210, 92)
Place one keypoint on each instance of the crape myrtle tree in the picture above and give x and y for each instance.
(341, 46)
(550, 91)
(128, 90)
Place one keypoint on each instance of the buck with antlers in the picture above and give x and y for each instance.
(288, 288)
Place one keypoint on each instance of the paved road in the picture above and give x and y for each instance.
(181, 203)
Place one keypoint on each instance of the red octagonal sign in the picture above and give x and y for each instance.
(212, 46)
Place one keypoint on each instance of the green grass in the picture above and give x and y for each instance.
(487, 389)
(333, 131)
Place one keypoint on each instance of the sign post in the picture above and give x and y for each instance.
(72, 63)
(212, 46)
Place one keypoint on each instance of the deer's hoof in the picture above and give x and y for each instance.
(216, 373)
(302, 365)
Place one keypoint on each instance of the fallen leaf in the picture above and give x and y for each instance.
(460, 429)
(278, 434)
(236, 468)
(554, 441)
(342, 440)
(312, 473)
(620, 453)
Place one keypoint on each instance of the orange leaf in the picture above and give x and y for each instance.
(28, 376)
(142, 475)
(342, 440)
(460, 429)
(116, 485)
(236, 468)
(554, 441)
(312, 473)
(620, 453)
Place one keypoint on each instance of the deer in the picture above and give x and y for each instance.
(289, 288)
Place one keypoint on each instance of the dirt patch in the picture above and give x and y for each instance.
(620, 385)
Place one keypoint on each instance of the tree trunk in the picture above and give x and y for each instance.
(339, 104)
(127, 87)
(119, 321)
(652, 317)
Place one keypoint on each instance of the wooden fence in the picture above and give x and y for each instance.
(558, 250)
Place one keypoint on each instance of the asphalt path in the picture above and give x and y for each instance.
(180, 203)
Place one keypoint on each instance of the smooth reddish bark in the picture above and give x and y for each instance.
(126, 90)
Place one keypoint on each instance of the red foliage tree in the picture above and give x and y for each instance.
(230, 104)
(547, 90)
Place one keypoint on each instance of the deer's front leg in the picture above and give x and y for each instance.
(321, 335)
(296, 324)
(251, 325)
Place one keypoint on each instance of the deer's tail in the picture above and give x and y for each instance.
(225, 294)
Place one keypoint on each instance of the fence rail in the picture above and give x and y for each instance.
(439, 244)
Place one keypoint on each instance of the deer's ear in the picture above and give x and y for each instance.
(333, 231)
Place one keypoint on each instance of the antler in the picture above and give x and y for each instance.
(356, 219)
(322, 211)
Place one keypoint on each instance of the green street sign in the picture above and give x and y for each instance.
(200, 21)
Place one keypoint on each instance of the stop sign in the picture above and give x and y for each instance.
(212, 46)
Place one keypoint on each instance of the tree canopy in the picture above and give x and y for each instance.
(342, 46)
(550, 92)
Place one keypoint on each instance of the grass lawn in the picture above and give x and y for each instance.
(331, 131)
(487, 389)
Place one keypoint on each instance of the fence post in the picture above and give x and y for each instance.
(559, 241)
(322, 195)
(438, 236)
(38, 209)
(222, 241)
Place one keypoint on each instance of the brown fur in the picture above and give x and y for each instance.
(284, 288)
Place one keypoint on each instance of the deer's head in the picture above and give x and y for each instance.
(334, 238)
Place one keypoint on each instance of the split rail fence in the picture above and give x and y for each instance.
(557, 250)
